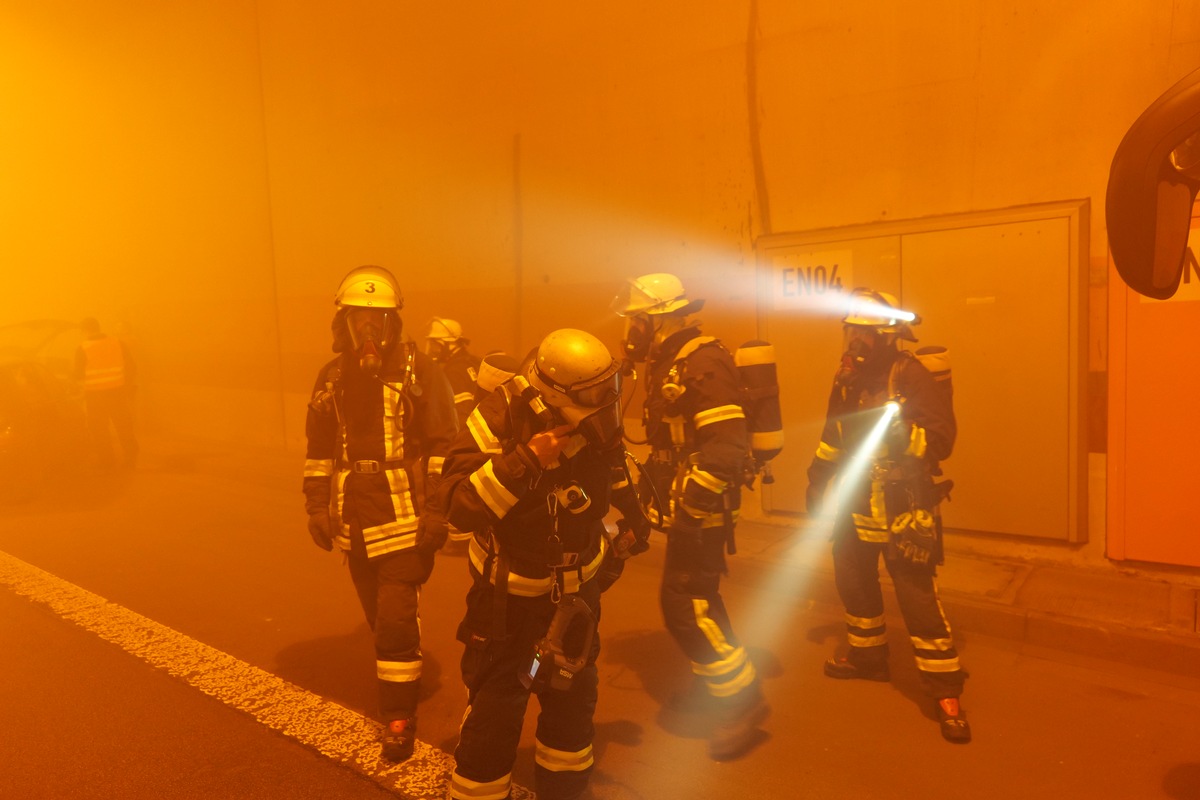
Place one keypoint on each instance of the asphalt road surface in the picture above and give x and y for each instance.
(173, 633)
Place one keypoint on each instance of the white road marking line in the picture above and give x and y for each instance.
(332, 730)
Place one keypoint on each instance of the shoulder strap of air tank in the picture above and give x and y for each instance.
(692, 345)
(898, 366)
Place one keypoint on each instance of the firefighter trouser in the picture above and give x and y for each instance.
(856, 572)
(496, 701)
(695, 613)
(389, 597)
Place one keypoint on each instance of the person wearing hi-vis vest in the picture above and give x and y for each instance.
(890, 423)
(699, 443)
(105, 370)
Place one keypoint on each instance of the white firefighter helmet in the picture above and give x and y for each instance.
(576, 374)
(442, 329)
(369, 287)
(656, 293)
(880, 311)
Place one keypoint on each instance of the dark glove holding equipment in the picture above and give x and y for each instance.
(610, 570)
(899, 435)
(632, 537)
(321, 530)
(432, 531)
(819, 474)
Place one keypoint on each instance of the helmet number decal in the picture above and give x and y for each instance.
(370, 287)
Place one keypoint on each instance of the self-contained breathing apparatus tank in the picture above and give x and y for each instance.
(936, 359)
(755, 362)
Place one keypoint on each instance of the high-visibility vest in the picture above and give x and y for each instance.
(104, 366)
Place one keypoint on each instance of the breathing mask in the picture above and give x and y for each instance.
(574, 378)
(372, 332)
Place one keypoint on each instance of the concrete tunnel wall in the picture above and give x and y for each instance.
(199, 176)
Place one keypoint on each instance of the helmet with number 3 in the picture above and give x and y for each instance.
(367, 321)
(369, 287)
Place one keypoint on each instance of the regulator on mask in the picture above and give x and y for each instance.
(639, 335)
(371, 335)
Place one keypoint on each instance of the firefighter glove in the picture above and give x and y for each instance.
(633, 536)
(610, 570)
(819, 474)
(432, 530)
(321, 530)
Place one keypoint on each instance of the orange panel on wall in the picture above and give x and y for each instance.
(1154, 423)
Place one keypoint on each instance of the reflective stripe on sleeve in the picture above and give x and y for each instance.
(318, 467)
(481, 432)
(717, 414)
(827, 452)
(916, 442)
(493, 493)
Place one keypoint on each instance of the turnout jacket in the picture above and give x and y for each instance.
(906, 458)
(376, 447)
(702, 433)
(494, 485)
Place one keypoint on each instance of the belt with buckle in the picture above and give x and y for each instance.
(369, 466)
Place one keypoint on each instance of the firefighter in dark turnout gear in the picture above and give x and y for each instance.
(379, 425)
(445, 344)
(533, 475)
(696, 429)
(887, 405)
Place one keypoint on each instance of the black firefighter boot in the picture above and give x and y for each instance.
(737, 719)
(955, 727)
(857, 665)
(399, 738)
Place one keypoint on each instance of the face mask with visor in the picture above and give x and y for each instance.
(591, 406)
(372, 331)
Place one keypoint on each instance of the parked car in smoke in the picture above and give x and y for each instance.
(43, 424)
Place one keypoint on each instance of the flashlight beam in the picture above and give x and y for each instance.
(765, 621)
